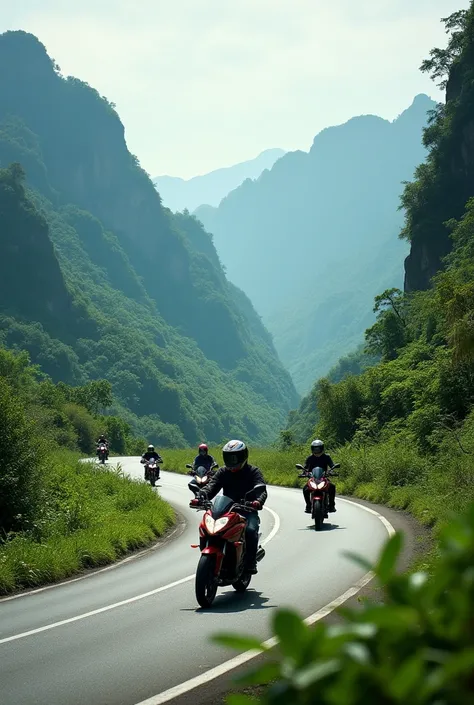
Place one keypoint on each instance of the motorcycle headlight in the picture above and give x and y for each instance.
(312, 484)
(321, 485)
(198, 479)
(210, 523)
(220, 523)
(204, 478)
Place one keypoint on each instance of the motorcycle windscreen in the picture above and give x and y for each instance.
(200, 471)
(221, 506)
(318, 473)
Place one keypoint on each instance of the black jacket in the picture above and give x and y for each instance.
(236, 484)
(324, 461)
(151, 454)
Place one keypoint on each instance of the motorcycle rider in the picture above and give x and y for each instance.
(203, 459)
(235, 478)
(103, 440)
(148, 455)
(319, 459)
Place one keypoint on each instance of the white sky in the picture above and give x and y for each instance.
(201, 84)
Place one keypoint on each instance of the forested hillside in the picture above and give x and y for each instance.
(211, 188)
(405, 426)
(100, 280)
(315, 238)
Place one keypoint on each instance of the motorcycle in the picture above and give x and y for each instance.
(222, 545)
(201, 477)
(102, 453)
(318, 484)
(152, 470)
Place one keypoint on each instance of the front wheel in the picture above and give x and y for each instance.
(318, 514)
(152, 479)
(205, 582)
(242, 583)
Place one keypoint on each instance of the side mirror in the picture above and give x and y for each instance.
(299, 466)
(189, 466)
(258, 487)
(336, 466)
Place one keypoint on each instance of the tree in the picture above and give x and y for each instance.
(441, 61)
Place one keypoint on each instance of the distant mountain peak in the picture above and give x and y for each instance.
(211, 188)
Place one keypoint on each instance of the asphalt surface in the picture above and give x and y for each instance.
(123, 635)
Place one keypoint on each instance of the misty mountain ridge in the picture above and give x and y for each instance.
(211, 188)
(309, 228)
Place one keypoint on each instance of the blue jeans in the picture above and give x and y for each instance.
(251, 536)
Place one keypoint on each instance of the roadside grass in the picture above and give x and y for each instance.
(90, 516)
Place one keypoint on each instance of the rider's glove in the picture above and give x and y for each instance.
(256, 504)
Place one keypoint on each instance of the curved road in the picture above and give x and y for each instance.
(127, 633)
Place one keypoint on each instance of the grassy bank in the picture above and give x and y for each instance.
(391, 473)
(89, 516)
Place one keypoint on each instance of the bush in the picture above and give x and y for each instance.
(21, 463)
(417, 647)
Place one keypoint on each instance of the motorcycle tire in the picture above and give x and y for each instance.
(205, 584)
(318, 515)
(242, 583)
(153, 481)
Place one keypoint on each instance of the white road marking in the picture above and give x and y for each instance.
(239, 660)
(136, 598)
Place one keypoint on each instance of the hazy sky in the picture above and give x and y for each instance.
(201, 84)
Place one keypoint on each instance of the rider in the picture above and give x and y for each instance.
(235, 479)
(103, 440)
(319, 459)
(203, 459)
(149, 454)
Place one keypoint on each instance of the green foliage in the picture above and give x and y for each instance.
(417, 646)
(20, 453)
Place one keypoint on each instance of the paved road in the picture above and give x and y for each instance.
(123, 635)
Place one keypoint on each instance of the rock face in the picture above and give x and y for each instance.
(446, 182)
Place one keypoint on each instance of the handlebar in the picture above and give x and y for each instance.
(243, 505)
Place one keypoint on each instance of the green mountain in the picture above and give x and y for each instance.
(102, 281)
(211, 188)
(314, 239)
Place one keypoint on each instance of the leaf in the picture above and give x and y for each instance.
(387, 561)
(239, 643)
(406, 677)
(355, 558)
(291, 631)
(315, 672)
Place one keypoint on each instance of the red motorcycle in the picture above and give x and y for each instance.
(102, 453)
(201, 477)
(222, 544)
(318, 485)
(152, 470)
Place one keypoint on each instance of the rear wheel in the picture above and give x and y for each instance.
(205, 582)
(318, 515)
(242, 583)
